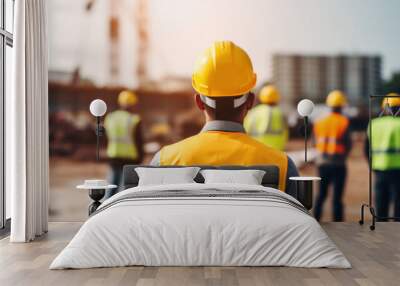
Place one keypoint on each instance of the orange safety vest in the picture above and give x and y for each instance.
(218, 148)
(329, 133)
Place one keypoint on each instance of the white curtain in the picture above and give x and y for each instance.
(27, 124)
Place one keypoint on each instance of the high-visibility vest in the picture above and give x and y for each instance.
(329, 133)
(266, 124)
(218, 148)
(120, 129)
(385, 143)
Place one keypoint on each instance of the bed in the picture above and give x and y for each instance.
(198, 224)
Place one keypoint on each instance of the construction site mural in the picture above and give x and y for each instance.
(101, 48)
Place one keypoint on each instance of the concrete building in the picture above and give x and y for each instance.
(313, 77)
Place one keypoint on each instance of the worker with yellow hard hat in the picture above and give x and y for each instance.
(124, 135)
(266, 122)
(391, 100)
(333, 144)
(223, 78)
(384, 141)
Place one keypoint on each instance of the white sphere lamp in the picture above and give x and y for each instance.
(305, 108)
(98, 108)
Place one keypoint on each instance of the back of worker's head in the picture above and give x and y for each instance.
(127, 99)
(223, 78)
(391, 103)
(336, 100)
(269, 95)
(225, 108)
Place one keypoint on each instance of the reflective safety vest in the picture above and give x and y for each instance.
(218, 148)
(266, 124)
(385, 143)
(120, 129)
(329, 133)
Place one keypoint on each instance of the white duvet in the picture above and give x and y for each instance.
(200, 231)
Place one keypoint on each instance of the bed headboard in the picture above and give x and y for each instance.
(270, 179)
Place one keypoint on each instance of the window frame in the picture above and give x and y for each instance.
(6, 39)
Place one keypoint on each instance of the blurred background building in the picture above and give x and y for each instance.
(314, 76)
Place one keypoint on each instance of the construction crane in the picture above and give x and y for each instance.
(140, 23)
(141, 17)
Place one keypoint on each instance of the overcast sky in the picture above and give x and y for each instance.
(180, 29)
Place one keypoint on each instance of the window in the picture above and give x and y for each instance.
(6, 44)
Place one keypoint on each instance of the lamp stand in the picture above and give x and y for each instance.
(99, 132)
(370, 205)
(305, 137)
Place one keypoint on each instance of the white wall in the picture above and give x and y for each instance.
(180, 29)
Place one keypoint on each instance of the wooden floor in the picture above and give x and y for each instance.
(375, 257)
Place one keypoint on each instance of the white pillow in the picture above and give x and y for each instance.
(247, 177)
(166, 176)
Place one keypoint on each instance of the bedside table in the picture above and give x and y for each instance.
(304, 190)
(96, 192)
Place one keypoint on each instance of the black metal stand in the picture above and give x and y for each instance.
(372, 211)
(304, 193)
(99, 132)
(96, 195)
(305, 137)
(370, 205)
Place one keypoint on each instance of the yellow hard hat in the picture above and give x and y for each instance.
(269, 94)
(224, 69)
(336, 98)
(127, 98)
(391, 101)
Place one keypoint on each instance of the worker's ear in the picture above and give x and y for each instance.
(199, 102)
(250, 101)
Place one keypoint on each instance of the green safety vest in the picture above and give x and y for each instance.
(120, 129)
(266, 124)
(385, 143)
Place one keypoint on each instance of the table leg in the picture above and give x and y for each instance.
(304, 193)
(96, 195)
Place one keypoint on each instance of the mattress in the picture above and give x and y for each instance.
(201, 225)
